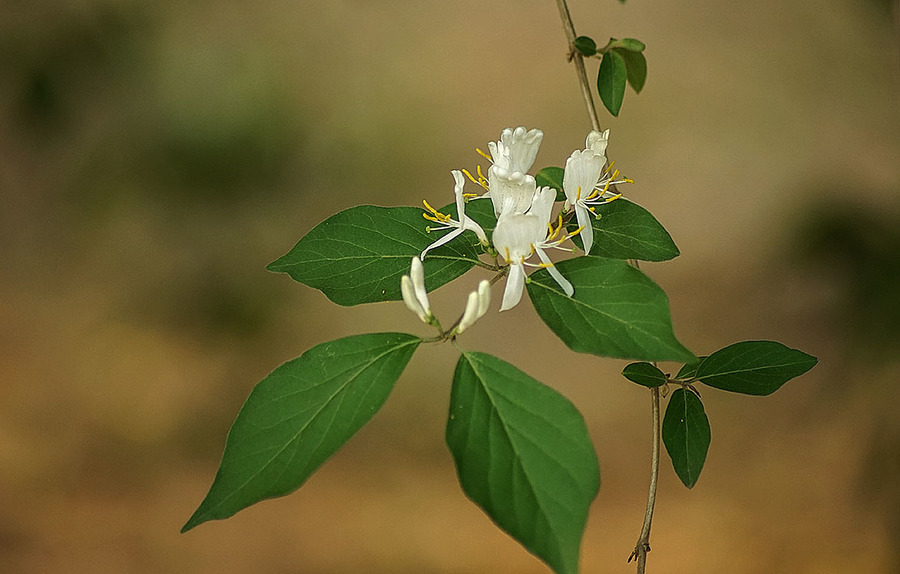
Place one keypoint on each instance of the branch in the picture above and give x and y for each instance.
(576, 56)
(643, 544)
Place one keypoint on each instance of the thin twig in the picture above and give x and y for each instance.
(576, 56)
(643, 544)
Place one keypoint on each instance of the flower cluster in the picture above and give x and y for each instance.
(524, 211)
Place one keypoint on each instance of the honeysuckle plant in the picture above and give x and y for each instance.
(521, 449)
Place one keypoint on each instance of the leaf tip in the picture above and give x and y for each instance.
(195, 520)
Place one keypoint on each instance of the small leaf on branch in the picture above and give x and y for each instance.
(625, 230)
(552, 177)
(523, 454)
(636, 69)
(611, 81)
(753, 367)
(359, 255)
(299, 415)
(644, 374)
(616, 311)
(629, 44)
(585, 45)
(685, 432)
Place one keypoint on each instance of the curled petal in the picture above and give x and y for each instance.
(597, 142)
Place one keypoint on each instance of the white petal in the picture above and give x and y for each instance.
(519, 191)
(409, 297)
(515, 283)
(458, 192)
(522, 147)
(597, 142)
(484, 297)
(471, 225)
(542, 206)
(470, 315)
(581, 174)
(466, 222)
(516, 233)
(443, 240)
(554, 272)
(417, 274)
(587, 230)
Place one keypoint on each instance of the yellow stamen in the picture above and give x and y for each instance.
(481, 177)
(609, 167)
(484, 155)
(613, 198)
(577, 231)
(545, 265)
(469, 195)
(436, 215)
(508, 260)
(578, 194)
(555, 232)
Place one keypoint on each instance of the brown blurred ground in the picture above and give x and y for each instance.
(154, 158)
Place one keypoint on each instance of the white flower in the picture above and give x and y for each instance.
(586, 183)
(514, 154)
(412, 287)
(597, 142)
(519, 235)
(476, 306)
(511, 157)
(513, 196)
(465, 222)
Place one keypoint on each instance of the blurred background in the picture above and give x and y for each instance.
(155, 157)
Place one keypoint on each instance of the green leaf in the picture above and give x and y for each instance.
(611, 81)
(585, 45)
(299, 415)
(629, 44)
(689, 370)
(685, 432)
(754, 367)
(625, 230)
(523, 454)
(616, 311)
(644, 374)
(552, 177)
(636, 69)
(358, 255)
